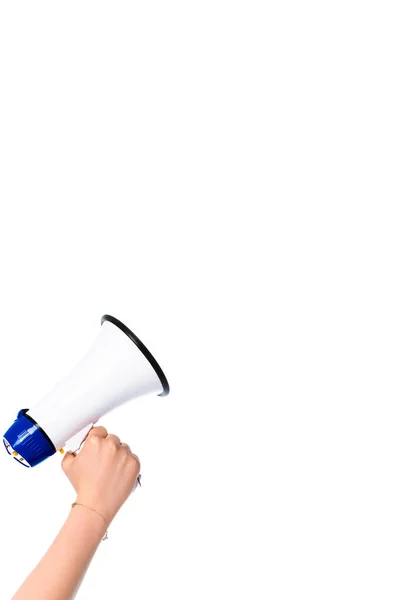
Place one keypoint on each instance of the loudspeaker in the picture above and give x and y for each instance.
(116, 369)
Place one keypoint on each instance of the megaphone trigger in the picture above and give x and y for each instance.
(138, 482)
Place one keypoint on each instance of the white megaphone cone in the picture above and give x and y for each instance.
(117, 368)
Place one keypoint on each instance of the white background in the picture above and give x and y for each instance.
(224, 177)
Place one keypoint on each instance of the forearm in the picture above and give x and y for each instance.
(61, 570)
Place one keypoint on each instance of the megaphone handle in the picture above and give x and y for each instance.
(74, 444)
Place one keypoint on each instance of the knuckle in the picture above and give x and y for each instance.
(99, 429)
(111, 444)
(96, 432)
(94, 440)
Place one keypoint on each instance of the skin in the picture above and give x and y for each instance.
(103, 474)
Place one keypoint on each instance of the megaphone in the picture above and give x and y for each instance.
(117, 368)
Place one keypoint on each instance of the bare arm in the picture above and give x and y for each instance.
(103, 475)
(61, 570)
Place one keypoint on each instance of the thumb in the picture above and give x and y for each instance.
(67, 461)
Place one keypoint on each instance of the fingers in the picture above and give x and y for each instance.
(136, 459)
(128, 448)
(114, 438)
(134, 456)
(102, 433)
(99, 432)
(67, 461)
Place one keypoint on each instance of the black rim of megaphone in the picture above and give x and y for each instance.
(143, 350)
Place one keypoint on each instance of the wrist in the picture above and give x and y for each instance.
(91, 521)
(98, 505)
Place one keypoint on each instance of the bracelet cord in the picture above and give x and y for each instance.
(105, 537)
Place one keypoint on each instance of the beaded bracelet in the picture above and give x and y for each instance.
(105, 537)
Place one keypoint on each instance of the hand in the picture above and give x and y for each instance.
(104, 472)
